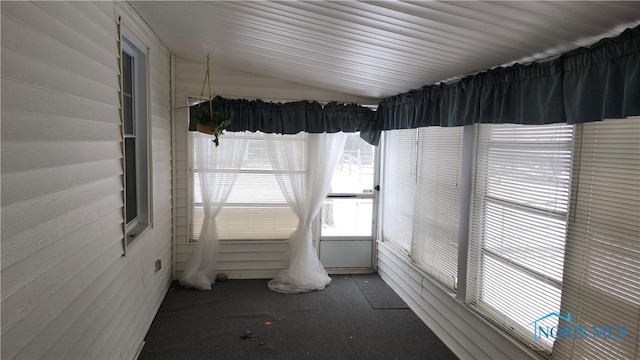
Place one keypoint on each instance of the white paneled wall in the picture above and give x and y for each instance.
(237, 259)
(67, 290)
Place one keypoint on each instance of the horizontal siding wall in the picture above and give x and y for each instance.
(237, 259)
(67, 290)
(244, 260)
(463, 331)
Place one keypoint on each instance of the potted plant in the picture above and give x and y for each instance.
(210, 122)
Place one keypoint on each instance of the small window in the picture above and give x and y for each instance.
(136, 152)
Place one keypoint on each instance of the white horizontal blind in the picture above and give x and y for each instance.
(518, 225)
(602, 267)
(246, 223)
(398, 187)
(256, 208)
(436, 211)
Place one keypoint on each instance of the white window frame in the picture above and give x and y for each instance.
(133, 47)
(467, 169)
(412, 237)
(192, 204)
(479, 253)
(373, 195)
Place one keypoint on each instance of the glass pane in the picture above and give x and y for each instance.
(347, 217)
(354, 173)
(520, 298)
(127, 73)
(127, 93)
(527, 238)
(258, 155)
(130, 190)
(127, 109)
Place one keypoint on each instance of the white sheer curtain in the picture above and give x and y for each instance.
(305, 169)
(217, 169)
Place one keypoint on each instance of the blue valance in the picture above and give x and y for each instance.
(588, 84)
(523, 94)
(293, 117)
(603, 80)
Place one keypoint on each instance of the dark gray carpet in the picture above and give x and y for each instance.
(336, 323)
(378, 293)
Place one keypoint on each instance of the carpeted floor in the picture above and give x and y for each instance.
(355, 317)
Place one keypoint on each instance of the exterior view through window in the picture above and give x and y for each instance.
(348, 209)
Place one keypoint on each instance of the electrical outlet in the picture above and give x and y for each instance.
(158, 264)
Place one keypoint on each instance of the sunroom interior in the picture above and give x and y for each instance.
(482, 157)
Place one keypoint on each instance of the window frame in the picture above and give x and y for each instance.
(414, 143)
(141, 132)
(192, 173)
(480, 254)
(468, 168)
(354, 196)
(192, 188)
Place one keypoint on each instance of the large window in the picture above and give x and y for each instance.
(601, 287)
(136, 139)
(398, 187)
(518, 226)
(420, 186)
(552, 252)
(256, 208)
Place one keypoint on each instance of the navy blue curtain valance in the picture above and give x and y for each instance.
(523, 94)
(603, 80)
(588, 84)
(293, 117)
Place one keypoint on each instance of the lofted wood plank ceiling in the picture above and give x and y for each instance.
(382, 48)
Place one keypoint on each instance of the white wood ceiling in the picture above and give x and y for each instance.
(382, 48)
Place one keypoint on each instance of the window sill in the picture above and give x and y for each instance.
(133, 234)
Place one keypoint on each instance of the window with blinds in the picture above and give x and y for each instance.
(437, 197)
(256, 208)
(421, 179)
(601, 288)
(398, 187)
(518, 226)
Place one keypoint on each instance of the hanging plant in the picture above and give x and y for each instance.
(210, 122)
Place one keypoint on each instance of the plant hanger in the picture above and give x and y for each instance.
(210, 122)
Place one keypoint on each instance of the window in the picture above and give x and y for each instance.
(136, 138)
(420, 188)
(256, 208)
(518, 225)
(397, 187)
(553, 227)
(348, 209)
(602, 263)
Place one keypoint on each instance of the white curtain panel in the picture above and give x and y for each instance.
(304, 172)
(217, 167)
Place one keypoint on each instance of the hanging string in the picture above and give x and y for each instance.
(207, 80)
